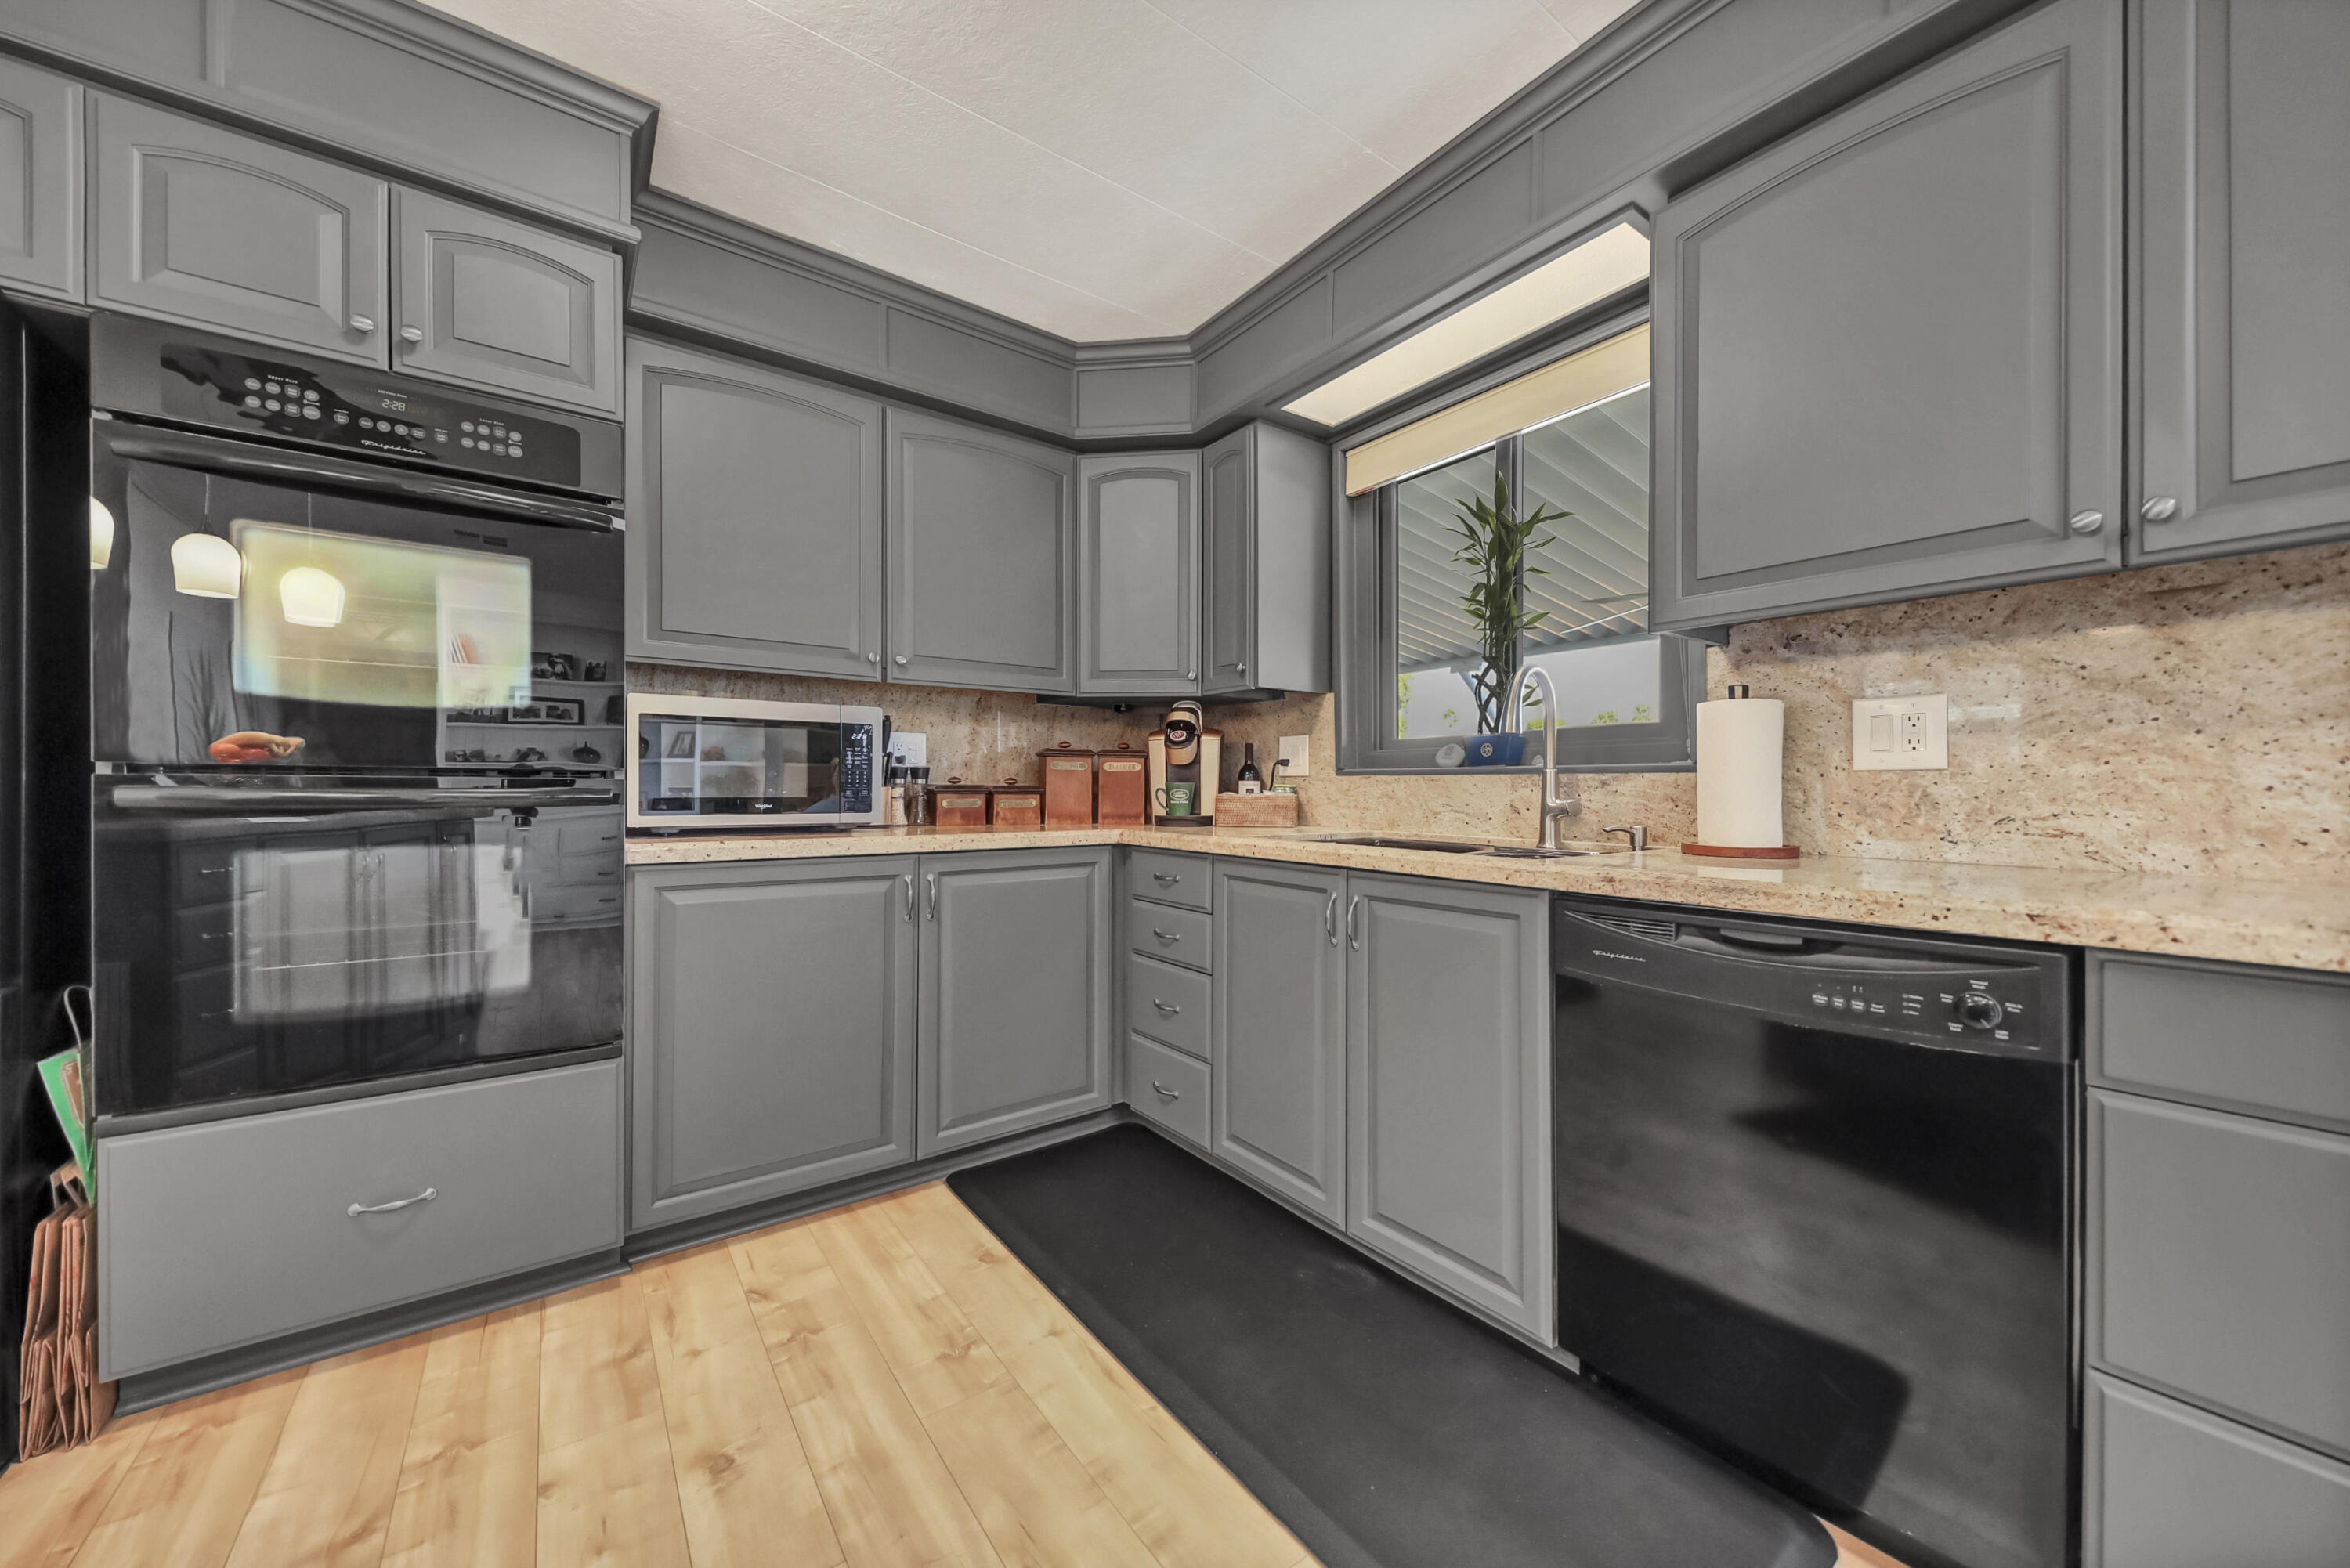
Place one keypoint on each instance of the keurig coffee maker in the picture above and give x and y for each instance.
(1185, 769)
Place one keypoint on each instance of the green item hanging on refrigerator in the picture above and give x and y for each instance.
(62, 1074)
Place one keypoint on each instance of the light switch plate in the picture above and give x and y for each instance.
(1294, 748)
(1890, 732)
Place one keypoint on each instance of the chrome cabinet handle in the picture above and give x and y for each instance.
(411, 335)
(362, 323)
(1354, 942)
(1165, 936)
(427, 1196)
(1164, 1007)
(2087, 521)
(2158, 508)
(909, 880)
(1330, 919)
(1166, 878)
(899, 657)
(1165, 1092)
(931, 884)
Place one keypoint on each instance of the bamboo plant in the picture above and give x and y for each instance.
(1495, 542)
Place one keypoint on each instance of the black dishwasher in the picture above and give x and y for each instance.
(1815, 1202)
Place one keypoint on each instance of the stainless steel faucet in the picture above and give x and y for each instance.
(1553, 807)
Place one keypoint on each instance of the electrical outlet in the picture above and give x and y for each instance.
(1890, 732)
(1294, 748)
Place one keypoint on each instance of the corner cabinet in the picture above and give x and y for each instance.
(1139, 575)
(772, 1016)
(1016, 992)
(1278, 1039)
(486, 301)
(2243, 223)
(1265, 500)
(754, 518)
(1888, 350)
(981, 530)
(40, 182)
(196, 223)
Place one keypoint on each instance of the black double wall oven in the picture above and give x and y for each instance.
(356, 698)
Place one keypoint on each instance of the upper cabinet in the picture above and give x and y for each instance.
(982, 546)
(1888, 351)
(40, 182)
(490, 303)
(754, 518)
(1139, 575)
(2243, 226)
(1266, 499)
(199, 224)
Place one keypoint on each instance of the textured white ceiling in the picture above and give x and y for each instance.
(1102, 169)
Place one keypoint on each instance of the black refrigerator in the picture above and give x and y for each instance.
(44, 770)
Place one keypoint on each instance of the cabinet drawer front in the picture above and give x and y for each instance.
(1169, 878)
(1167, 1004)
(2169, 1486)
(229, 1232)
(592, 834)
(1180, 936)
(1168, 1087)
(2220, 1261)
(2255, 1038)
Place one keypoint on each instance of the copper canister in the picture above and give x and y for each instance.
(1069, 787)
(955, 804)
(1121, 787)
(1018, 806)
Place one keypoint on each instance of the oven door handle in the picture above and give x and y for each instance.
(230, 798)
(238, 458)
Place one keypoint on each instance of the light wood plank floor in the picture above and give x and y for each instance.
(879, 1386)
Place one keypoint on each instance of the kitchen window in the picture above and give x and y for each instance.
(1571, 437)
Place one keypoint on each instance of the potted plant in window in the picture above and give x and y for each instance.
(1495, 542)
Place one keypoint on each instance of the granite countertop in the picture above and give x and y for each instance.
(2298, 925)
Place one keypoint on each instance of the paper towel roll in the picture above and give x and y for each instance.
(1739, 745)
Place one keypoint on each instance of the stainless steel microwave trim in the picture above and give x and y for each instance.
(848, 717)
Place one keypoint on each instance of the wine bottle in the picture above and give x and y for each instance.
(1250, 781)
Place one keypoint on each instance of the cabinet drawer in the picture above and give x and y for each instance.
(229, 1232)
(1180, 936)
(1168, 879)
(2256, 1038)
(596, 833)
(1168, 1087)
(1167, 1004)
(584, 903)
(2220, 1261)
(2169, 1486)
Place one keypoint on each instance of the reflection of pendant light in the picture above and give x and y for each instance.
(206, 565)
(101, 535)
(311, 598)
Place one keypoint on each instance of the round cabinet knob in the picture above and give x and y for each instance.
(1239, 669)
(2158, 508)
(872, 659)
(411, 335)
(362, 323)
(1190, 675)
(1976, 1011)
(2087, 521)
(898, 659)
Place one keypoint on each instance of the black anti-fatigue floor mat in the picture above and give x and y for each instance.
(1384, 1428)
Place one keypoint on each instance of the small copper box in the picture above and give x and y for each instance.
(1068, 788)
(960, 804)
(1121, 796)
(1018, 806)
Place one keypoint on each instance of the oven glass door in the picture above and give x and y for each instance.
(275, 627)
(700, 766)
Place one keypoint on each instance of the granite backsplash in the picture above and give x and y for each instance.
(2190, 718)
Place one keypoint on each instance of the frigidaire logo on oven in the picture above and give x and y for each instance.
(1627, 957)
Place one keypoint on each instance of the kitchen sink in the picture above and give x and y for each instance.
(1470, 846)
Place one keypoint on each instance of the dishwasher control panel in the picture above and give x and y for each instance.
(1990, 1005)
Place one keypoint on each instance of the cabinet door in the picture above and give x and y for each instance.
(199, 224)
(40, 180)
(982, 553)
(1228, 488)
(1278, 1042)
(490, 303)
(2243, 117)
(1016, 992)
(754, 518)
(1888, 351)
(1139, 575)
(772, 1026)
(1448, 1089)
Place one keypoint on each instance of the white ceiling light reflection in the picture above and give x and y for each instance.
(206, 565)
(101, 535)
(311, 598)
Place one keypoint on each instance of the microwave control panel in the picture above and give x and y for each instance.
(856, 768)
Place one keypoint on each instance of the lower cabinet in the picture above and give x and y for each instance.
(771, 1013)
(1015, 1014)
(1279, 1040)
(1448, 1088)
(227, 1233)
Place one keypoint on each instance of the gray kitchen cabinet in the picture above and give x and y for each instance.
(754, 517)
(1266, 579)
(2271, 1042)
(772, 1017)
(2167, 1486)
(489, 303)
(1167, 1088)
(1139, 575)
(1016, 992)
(1278, 1044)
(199, 224)
(981, 530)
(2243, 221)
(40, 180)
(1448, 1088)
(1888, 350)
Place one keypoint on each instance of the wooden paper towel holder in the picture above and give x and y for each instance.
(1732, 852)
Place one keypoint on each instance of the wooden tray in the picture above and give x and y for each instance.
(1773, 852)
(1266, 810)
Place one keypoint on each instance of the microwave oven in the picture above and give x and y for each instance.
(701, 762)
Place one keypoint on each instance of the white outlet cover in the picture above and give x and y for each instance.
(1885, 733)
(1294, 748)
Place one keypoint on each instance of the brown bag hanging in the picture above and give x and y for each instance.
(61, 1402)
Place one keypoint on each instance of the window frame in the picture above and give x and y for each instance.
(1366, 633)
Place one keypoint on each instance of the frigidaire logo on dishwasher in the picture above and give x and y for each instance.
(1627, 957)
